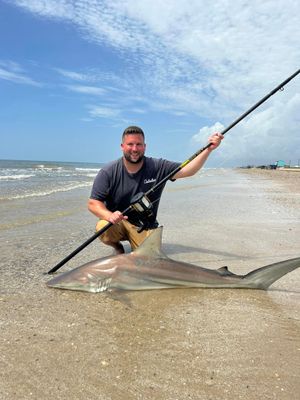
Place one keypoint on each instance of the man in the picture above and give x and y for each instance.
(119, 181)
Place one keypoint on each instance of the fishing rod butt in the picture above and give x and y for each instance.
(81, 247)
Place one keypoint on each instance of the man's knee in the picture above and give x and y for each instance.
(100, 225)
(136, 238)
(114, 234)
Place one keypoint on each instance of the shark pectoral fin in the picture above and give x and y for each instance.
(151, 247)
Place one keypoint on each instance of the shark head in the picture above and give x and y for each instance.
(98, 275)
(82, 279)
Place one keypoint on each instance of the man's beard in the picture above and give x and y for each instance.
(128, 158)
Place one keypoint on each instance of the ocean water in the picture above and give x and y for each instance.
(43, 207)
(27, 179)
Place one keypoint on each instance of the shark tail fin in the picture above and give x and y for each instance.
(263, 277)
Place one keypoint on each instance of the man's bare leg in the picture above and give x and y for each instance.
(118, 247)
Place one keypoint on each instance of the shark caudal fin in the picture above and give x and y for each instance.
(151, 247)
(263, 277)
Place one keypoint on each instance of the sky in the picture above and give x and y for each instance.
(75, 74)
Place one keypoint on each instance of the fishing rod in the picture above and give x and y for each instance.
(141, 202)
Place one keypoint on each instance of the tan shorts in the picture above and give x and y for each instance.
(124, 230)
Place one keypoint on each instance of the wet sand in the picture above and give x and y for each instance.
(163, 344)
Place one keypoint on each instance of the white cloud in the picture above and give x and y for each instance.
(265, 137)
(206, 131)
(11, 71)
(197, 54)
(90, 90)
(91, 75)
(211, 59)
(72, 75)
(103, 112)
(138, 110)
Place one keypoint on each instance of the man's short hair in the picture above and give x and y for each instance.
(133, 130)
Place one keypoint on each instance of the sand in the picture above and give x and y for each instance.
(287, 181)
(163, 344)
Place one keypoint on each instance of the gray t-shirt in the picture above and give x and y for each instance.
(115, 186)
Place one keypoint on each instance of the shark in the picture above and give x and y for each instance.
(148, 267)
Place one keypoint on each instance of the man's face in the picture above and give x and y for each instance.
(133, 147)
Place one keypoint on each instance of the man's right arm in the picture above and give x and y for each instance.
(99, 209)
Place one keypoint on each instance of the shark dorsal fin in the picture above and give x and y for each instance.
(225, 271)
(151, 247)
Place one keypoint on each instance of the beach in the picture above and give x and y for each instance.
(287, 181)
(163, 344)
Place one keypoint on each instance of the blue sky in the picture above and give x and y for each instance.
(74, 74)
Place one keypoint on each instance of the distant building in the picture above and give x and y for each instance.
(281, 163)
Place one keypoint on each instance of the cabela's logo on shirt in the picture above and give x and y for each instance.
(150, 180)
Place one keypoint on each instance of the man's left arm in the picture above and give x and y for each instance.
(197, 163)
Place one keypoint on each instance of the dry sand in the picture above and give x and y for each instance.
(166, 344)
(287, 180)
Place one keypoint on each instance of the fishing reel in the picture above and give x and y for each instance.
(144, 209)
